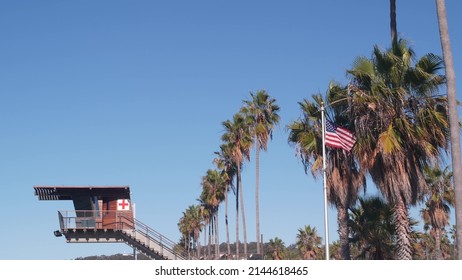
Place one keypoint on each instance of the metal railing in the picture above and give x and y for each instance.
(164, 243)
(80, 219)
(90, 219)
(125, 224)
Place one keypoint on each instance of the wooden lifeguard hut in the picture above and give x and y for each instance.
(104, 214)
(95, 207)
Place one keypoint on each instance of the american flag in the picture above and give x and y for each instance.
(339, 137)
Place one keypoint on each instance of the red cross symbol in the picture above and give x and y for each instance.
(122, 204)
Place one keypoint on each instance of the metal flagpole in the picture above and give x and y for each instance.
(326, 226)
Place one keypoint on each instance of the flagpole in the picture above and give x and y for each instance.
(326, 225)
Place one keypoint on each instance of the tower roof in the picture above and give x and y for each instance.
(70, 192)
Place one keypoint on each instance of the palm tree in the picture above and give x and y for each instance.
(346, 178)
(343, 177)
(190, 226)
(276, 249)
(205, 214)
(224, 162)
(425, 246)
(183, 227)
(335, 250)
(401, 125)
(184, 230)
(446, 246)
(453, 234)
(308, 242)
(439, 197)
(239, 139)
(263, 113)
(213, 192)
(372, 229)
(453, 116)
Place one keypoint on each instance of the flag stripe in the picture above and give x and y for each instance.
(339, 137)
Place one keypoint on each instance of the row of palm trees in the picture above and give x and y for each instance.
(401, 122)
(393, 106)
(251, 127)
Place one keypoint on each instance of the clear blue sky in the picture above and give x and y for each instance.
(134, 93)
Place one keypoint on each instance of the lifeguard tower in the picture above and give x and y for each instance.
(104, 214)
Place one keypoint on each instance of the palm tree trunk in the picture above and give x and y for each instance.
(244, 227)
(453, 118)
(342, 219)
(217, 238)
(394, 36)
(188, 246)
(199, 245)
(205, 241)
(226, 222)
(210, 238)
(257, 183)
(214, 234)
(403, 240)
(237, 208)
(438, 254)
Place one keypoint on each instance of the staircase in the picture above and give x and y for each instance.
(151, 243)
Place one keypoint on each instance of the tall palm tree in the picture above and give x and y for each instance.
(237, 136)
(453, 116)
(401, 125)
(224, 162)
(346, 178)
(190, 226)
(207, 212)
(308, 242)
(439, 197)
(343, 177)
(206, 215)
(213, 190)
(263, 113)
(185, 232)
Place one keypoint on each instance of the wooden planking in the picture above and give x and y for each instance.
(116, 219)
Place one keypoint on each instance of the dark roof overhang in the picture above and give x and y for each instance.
(69, 192)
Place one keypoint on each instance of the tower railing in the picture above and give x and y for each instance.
(125, 224)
